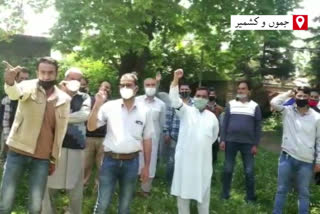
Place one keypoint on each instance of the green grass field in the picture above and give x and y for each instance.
(160, 202)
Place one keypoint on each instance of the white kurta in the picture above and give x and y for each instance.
(157, 109)
(193, 157)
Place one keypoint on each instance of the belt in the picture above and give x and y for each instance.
(121, 156)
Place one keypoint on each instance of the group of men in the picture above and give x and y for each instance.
(60, 131)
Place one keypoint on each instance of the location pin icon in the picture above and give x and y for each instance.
(300, 21)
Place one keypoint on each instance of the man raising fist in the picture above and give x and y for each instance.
(193, 158)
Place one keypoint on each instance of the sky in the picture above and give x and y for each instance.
(40, 24)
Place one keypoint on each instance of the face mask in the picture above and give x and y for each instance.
(46, 85)
(241, 96)
(200, 103)
(150, 92)
(126, 93)
(302, 103)
(184, 94)
(313, 103)
(212, 98)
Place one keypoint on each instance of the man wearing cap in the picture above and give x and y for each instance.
(70, 172)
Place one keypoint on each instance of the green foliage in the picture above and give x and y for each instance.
(12, 15)
(161, 202)
(273, 123)
(150, 35)
(314, 64)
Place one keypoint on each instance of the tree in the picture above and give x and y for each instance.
(12, 18)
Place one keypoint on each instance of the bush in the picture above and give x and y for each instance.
(273, 123)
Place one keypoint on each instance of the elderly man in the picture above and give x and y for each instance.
(193, 158)
(70, 172)
(37, 133)
(129, 131)
(157, 109)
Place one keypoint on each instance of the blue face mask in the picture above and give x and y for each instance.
(200, 103)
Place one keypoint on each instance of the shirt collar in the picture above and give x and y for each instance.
(296, 110)
(53, 96)
(145, 97)
(133, 106)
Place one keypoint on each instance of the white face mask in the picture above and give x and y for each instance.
(150, 92)
(126, 93)
(73, 85)
(241, 96)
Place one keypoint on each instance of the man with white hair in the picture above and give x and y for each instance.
(70, 171)
(157, 109)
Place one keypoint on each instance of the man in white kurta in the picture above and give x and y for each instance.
(193, 159)
(157, 109)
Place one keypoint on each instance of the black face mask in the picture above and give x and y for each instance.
(212, 98)
(185, 94)
(302, 103)
(46, 85)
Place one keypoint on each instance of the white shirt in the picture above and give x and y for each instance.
(157, 109)
(193, 157)
(125, 129)
(301, 133)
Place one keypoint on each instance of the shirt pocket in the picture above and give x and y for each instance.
(137, 129)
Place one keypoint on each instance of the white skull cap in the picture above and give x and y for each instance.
(73, 70)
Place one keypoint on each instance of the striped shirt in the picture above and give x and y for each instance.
(242, 122)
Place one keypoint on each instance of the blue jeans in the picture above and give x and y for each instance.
(112, 171)
(16, 164)
(231, 151)
(302, 172)
(171, 149)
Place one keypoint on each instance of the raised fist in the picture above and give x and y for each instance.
(178, 74)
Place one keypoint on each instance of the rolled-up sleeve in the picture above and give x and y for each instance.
(148, 127)
(278, 101)
(176, 101)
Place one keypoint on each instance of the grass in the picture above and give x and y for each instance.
(160, 202)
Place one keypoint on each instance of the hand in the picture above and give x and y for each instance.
(167, 139)
(292, 93)
(144, 176)
(63, 87)
(178, 74)
(254, 150)
(158, 77)
(101, 97)
(316, 168)
(52, 168)
(222, 146)
(10, 73)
